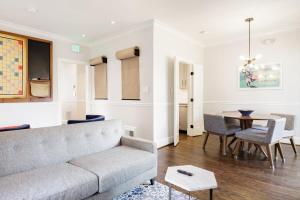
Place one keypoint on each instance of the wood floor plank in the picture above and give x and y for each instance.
(248, 178)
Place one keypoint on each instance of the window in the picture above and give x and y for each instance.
(100, 77)
(130, 73)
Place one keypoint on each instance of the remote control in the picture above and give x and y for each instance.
(184, 172)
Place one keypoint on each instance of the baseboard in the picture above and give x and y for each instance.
(296, 139)
(195, 132)
(164, 142)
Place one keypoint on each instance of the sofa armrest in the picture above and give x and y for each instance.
(138, 143)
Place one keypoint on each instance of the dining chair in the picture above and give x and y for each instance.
(289, 129)
(232, 122)
(216, 125)
(267, 138)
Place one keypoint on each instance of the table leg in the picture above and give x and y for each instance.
(249, 123)
(246, 123)
(170, 192)
(211, 194)
(242, 124)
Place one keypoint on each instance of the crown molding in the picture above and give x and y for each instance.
(142, 26)
(33, 32)
(30, 31)
(122, 33)
(177, 33)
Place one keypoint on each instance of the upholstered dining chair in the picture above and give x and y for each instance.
(267, 138)
(289, 129)
(216, 125)
(232, 122)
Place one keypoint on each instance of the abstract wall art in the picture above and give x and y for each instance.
(261, 76)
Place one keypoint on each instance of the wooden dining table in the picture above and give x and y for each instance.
(247, 121)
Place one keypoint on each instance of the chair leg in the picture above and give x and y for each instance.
(232, 141)
(275, 152)
(237, 148)
(205, 140)
(263, 151)
(293, 144)
(221, 139)
(242, 146)
(224, 145)
(280, 152)
(221, 143)
(256, 148)
(249, 146)
(270, 157)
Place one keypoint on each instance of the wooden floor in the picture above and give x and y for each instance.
(247, 178)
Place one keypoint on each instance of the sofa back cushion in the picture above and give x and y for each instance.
(33, 148)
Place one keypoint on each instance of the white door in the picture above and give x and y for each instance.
(195, 103)
(176, 102)
(190, 107)
(72, 90)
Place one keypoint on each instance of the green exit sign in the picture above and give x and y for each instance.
(76, 48)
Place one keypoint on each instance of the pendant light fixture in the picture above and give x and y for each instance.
(249, 62)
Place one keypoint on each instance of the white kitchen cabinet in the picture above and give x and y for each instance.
(183, 76)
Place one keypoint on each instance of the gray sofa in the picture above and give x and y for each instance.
(69, 162)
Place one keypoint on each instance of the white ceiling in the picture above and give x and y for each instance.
(221, 19)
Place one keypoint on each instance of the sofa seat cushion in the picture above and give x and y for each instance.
(62, 181)
(117, 165)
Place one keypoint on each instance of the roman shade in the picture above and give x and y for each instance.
(98, 61)
(100, 76)
(130, 73)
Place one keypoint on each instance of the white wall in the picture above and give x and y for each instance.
(133, 113)
(220, 80)
(152, 116)
(47, 113)
(168, 44)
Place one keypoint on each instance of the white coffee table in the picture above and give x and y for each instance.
(201, 180)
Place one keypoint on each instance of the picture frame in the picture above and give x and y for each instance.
(262, 76)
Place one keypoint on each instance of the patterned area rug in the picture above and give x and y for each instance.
(153, 192)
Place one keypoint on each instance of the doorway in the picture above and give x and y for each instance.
(183, 96)
(188, 99)
(72, 90)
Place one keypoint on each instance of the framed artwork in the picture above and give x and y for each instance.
(13, 66)
(261, 76)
